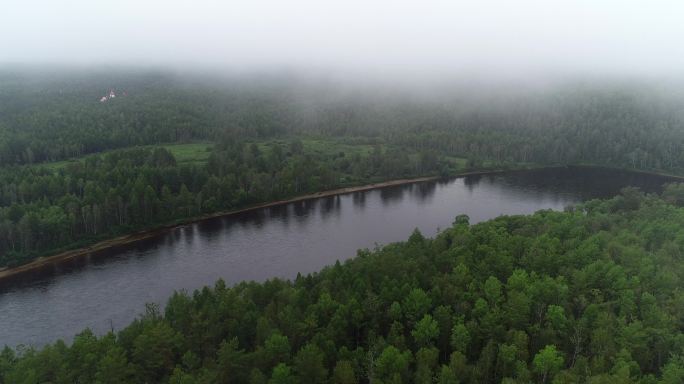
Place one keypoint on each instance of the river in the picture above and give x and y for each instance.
(109, 289)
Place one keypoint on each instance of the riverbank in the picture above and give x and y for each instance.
(46, 261)
(124, 240)
(109, 289)
(673, 176)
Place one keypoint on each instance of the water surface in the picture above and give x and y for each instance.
(108, 289)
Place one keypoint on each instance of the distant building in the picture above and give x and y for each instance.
(103, 99)
(112, 94)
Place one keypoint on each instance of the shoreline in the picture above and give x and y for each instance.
(640, 171)
(46, 261)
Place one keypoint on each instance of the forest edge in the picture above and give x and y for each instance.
(46, 261)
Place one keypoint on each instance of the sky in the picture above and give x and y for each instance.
(382, 37)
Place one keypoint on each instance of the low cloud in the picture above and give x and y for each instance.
(416, 40)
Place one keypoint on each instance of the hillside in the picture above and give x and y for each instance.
(75, 170)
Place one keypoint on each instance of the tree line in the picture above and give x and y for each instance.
(591, 294)
(43, 210)
(624, 125)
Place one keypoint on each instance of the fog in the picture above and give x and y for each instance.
(384, 39)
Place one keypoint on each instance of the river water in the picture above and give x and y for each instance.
(109, 289)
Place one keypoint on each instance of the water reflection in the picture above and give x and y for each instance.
(423, 192)
(111, 287)
(300, 210)
(471, 181)
(281, 212)
(359, 199)
(176, 234)
(330, 207)
(188, 233)
(392, 195)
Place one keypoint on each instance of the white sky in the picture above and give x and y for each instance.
(384, 36)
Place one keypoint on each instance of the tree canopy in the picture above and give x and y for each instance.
(592, 294)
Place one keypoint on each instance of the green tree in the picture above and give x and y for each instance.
(447, 376)
(492, 290)
(673, 371)
(282, 374)
(344, 373)
(392, 366)
(113, 368)
(460, 337)
(277, 348)
(426, 363)
(308, 364)
(155, 350)
(231, 362)
(547, 362)
(416, 305)
(425, 331)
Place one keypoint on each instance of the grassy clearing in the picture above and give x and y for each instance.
(191, 153)
(456, 162)
(197, 153)
(335, 146)
(321, 146)
(59, 164)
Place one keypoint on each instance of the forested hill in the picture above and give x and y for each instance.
(69, 175)
(592, 294)
(58, 115)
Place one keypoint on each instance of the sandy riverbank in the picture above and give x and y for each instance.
(43, 262)
(46, 261)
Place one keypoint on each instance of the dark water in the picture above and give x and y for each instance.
(110, 289)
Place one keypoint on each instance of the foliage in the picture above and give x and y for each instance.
(58, 116)
(45, 209)
(608, 308)
(169, 148)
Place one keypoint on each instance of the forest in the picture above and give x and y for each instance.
(43, 210)
(341, 192)
(75, 170)
(588, 295)
(50, 117)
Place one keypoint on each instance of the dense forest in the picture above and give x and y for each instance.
(75, 169)
(48, 118)
(45, 209)
(589, 295)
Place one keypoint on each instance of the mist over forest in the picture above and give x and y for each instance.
(126, 121)
(611, 122)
